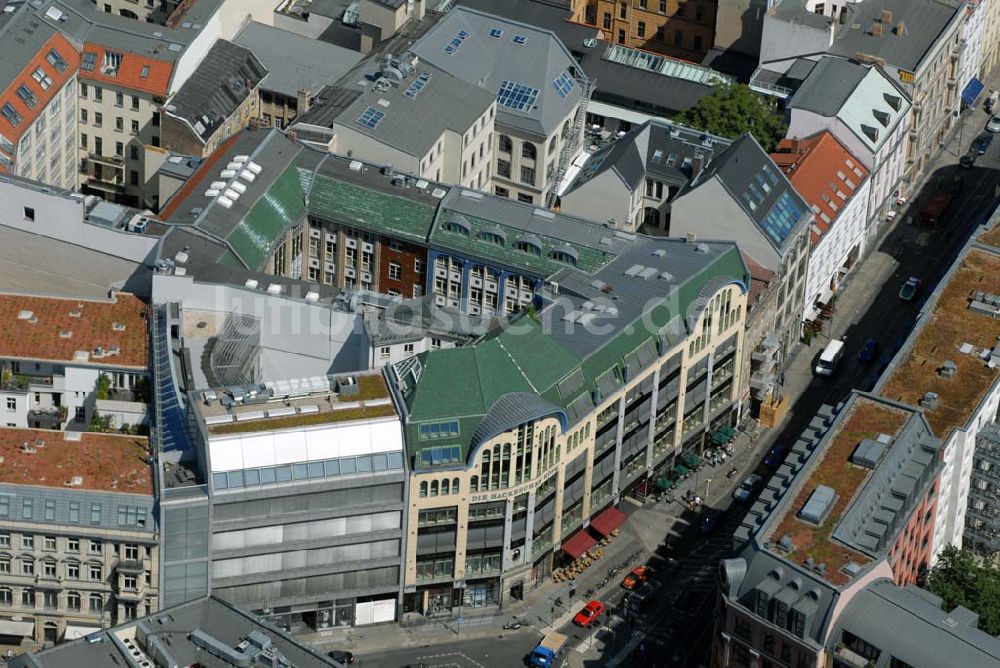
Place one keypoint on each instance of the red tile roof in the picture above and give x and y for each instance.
(9, 95)
(105, 462)
(823, 172)
(42, 328)
(130, 72)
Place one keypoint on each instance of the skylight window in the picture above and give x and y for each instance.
(417, 85)
(8, 112)
(496, 33)
(456, 41)
(564, 84)
(56, 61)
(371, 118)
(27, 96)
(144, 73)
(520, 39)
(43, 79)
(89, 61)
(516, 96)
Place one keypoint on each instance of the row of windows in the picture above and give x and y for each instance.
(50, 600)
(444, 487)
(447, 454)
(50, 544)
(49, 568)
(130, 516)
(327, 468)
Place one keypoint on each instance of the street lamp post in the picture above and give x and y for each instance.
(707, 483)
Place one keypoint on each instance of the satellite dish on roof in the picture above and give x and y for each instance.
(590, 42)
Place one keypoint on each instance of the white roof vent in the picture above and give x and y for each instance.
(218, 185)
(212, 192)
(227, 173)
(247, 176)
(438, 193)
(312, 297)
(274, 289)
(231, 194)
(356, 165)
(27, 315)
(181, 257)
(75, 481)
(238, 187)
(54, 13)
(225, 201)
(241, 158)
(234, 166)
(254, 167)
(251, 283)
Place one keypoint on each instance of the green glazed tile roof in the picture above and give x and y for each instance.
(278, 209)
(589, 259)
(366, 209)
(463, 384)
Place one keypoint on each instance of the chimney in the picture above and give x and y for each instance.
(697, 165)
(900, 29)
(885, 16)
(302, 101)
(876, 30)
(691, 237)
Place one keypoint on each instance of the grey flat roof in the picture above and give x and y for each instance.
(294, 62)
(182, 631)
(925, 21)
(903, 623)
(486, 62)
(35, 264)
(828, 86)
(225, 77)
(413, 124)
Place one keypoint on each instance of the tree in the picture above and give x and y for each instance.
(733, 110)
(959, 580)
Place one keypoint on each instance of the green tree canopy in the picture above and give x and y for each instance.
(733, 110)
(959, 580)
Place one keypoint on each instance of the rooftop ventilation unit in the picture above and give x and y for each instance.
(227, 173)
(254, 167)
(868, 453)
(274, 289)
(356, 166)
(238, 187)
(634, 270)
(247, 176)
(930, 400)
(786, 544)
(438, 193)
(948, 369)
(819, 505)
(251, 283)
(225, 201)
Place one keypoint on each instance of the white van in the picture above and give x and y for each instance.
(830, 358)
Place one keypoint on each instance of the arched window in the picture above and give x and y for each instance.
(486, 456)
(505, 144)
(434, 487)
(565, 130)
(6, 597)
(445, 487)
(96, 603)
(474, 484)
(552, 145)
(73, 601)
(496, 453)
(528, 247)
(423, 489)
(455, 486)
(528, 150)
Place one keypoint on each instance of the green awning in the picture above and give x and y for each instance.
(681, 470)
(690, 460)
(723, 434)
(663, 484)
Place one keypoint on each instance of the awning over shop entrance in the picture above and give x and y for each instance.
(607, 521)
(9, 627)
(73, 631)
(971, 92)
(578, 543)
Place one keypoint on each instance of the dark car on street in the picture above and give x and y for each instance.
(341, 656)
(775, 456)
(967, 161)
(982, 143)
(868, 352)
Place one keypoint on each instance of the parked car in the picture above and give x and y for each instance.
(775, 456)
(639, 575)
(909, 289)
(982, 143)
(746, 488)
(967, 161)
(341, 656)
(993, 125)
(868, 351)
(589, 614)
(711, 521)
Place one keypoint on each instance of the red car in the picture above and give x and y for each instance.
(638, 576)
(589, 614)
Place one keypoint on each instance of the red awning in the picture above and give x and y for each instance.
(607, 521)
(578, 543)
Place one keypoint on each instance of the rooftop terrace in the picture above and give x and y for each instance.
(111, 333)
(75, 460)
(290, 404)
(866, 419)
(948, 327)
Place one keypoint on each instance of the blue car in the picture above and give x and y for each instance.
(868, 351)
(775, 456)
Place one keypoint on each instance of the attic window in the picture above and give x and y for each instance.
(893, 101)
(529, 246)
(89, 61)
(56, 60)
(456, 228)
(494, 236)
(112, 61)
(870, 132)
(881, 116)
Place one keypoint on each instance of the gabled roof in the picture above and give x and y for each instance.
(227, 75)
(536, 60)
(759, 188)
(656, 147)
(824, 173)
(863, 97)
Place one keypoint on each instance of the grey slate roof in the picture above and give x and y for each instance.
(23, 37)
(294, 62)
(181, 634)
(413, 319)
(223, 80)
(655, 147)
(485, 61)
(622, 85)
(925, 21)
(829, 85)
(414, 124)
(910, 625)
(513, 408)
